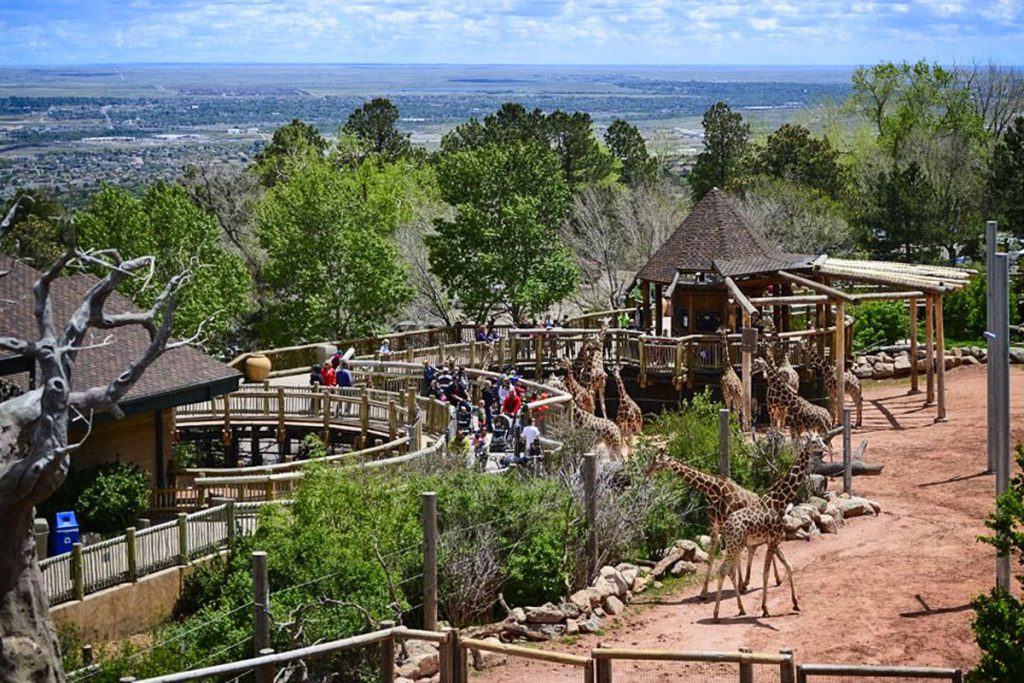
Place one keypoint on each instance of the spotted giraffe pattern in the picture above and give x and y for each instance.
(789, 409)
(732, 387)
(598, 376)
(580, 394)
(827, 370)
(628, 417)
(607, 431)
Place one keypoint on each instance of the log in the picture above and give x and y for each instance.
(835, 469)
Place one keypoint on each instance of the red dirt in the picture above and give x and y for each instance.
(858, 590)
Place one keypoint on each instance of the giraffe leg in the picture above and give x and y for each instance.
(769, 554)
(721, 579)
(735, 576)
(789, 572)
(712, 549)
(750, 561)
(775, 566)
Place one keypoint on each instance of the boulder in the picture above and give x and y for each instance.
(805, 514)
(572, 627)
(484, 659)
(855, 507)
(901, 367)
(552, 630)
(629, 572)
(547, 613)
(583, 600)
(1016, 354)
(884, 357)
(658, 584)
(571, 610)
(683, 567)
(704, 542)
(420, 665)
(827, 524)
(818, 484)
(599, 612)
(884, 370)
(613, 576)
(971, 360)
(673, 555)
(835, 513)
(613, 606)
(518, 614)
(642, 582)
(592, 624)
(817, 503)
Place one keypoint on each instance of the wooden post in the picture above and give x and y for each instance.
(387, 655)
(78, 571)
(266, 672)
(680, 362)
(642, 355)
(840, 397)
(268, 489)
(130, 554)
(410, 406)
(326, 427)
(86, 655)
(786, 672)
(266, 397)
(940, 354)
(724, 466)
(659, 312)
(392, 420)
(260, 603)
(501, 352)
(747, 369)
(847, 453)
(746, 668)
(604, 668)
(590, 500)
(929, 348)
(462, 666)
(472, 353)
(513, 350)
(230, 521)
(364, 417)
(645, 310)
(182, 539)
(429, 499)
(453, 648)
(226, 435)
(538, 357)
(913, 346)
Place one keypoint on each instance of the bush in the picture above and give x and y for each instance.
(106, 498)
(312, 447)
(879, 323)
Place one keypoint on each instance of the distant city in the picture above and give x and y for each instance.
(73, 129)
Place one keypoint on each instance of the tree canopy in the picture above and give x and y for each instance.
(726, 149)
(293, 144)
(373, 125)
(636, 166)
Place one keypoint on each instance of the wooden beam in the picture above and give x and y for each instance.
(840, 397)
(913, 346)
(747, 369)
(740, 298)
(887, 296)
(940, 354)
(795, 299)
(929, 348)
(892, 279)
(818, 287)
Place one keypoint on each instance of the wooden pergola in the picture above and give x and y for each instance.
(718, 270)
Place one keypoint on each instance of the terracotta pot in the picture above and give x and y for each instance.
(257, 368)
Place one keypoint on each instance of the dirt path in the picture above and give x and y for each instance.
(864, 592)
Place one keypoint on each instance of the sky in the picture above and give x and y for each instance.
(37, 32)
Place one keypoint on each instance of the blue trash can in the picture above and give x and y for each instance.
(65, 533)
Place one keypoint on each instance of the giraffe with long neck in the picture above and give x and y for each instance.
(732, 387)
(723, 495)
(788, 408)
(607, 431)
(827, 370)
(580, 394)
(598, 376)
(786, 368)
(762, 523)
(628, 417)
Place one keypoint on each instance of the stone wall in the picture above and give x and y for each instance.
(894, 361)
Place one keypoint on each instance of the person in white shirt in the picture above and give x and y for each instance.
(531, 435)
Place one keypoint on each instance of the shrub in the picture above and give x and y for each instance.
(312, 447)
(106, 498)
(879, 323)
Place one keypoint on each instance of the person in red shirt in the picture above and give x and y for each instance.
(513, 403)
(330, 378)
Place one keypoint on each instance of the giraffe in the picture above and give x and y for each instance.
(827, 370)
(607, 431)
(762, 523)
(787, 408)
(628, 417)
(580, 394)
(598, 376)
(723, 495)
(786, 368)
(732, 387)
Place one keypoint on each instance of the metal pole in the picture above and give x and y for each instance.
(590, 496)
(847, 454)
(260, 603)
(999, 397)
(723, 443)
(991, 232)
(429, 499)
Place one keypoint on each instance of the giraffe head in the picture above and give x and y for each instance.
(659, 462)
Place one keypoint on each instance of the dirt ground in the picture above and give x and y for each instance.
(893, 589)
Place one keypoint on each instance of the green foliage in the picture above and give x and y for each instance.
(583, 160)
(792, 153)
(293, 145)
(167, 224)
(106, 498)
(726, 150)
(35, 234)
(999, 616)
(1006, 178)
(637, 167)
(965, 313)
(330, 258)
(501, 250)
(897, 215)
(373, 124)
(512, 123)
(879, 323)
(312, 446)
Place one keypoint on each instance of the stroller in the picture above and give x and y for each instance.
(464, 418)
(503, 436)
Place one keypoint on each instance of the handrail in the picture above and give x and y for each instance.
(693, 656)
(295, 464)
(527, 652)
(878, 671)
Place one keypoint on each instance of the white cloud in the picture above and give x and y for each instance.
(764, 24)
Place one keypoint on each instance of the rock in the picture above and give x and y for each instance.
(958, 352)
(599, 612)
(483, 659)
(803, 513)
(863, 371)
(827, 524)
(901, 367)
(884, 370)
(658, 584)
(883, 357)
(689, 548)
(518, 615)
(855, 507)
(792, 525)
(590, 625)
(642, 582)
(704, 541)
(545, 614)
(403, 679)
(1016, 354)
(572, 627)
(552, 630)
(571, 610)
(613, 576)
(613, 606)
(835, 513)
(952, 362)
(674, 554)
(582, 599)
(817, 503)
(818, 484)
(971, 360)
(420, 665)
(629, 572)
(683, 567)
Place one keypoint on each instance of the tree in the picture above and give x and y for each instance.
(373, 124)
(897, 215)
(583, 160)
(997, 93)
(792, 153)
(1006, 178)
(627, 145)
(34, 449)
(726, 148)
(501, 250)
(292, 145)
(331, 261)
(797, 218)
(35, 233)
(510, 124)
(166, 223)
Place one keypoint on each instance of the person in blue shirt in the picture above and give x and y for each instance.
(429, 375)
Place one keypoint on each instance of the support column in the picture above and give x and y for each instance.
(659, 311)
(840, 343)
(940, 354)
(913, 346)
(747, 369)
(645, 309)
(929, 348)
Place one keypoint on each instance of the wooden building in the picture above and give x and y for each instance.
(180, 376)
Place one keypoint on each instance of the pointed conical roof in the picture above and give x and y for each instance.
(716, 233)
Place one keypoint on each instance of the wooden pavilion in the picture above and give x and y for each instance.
(718, 269)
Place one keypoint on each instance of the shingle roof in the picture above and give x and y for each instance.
(715, 231)
(753, 265)
(177, 370)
